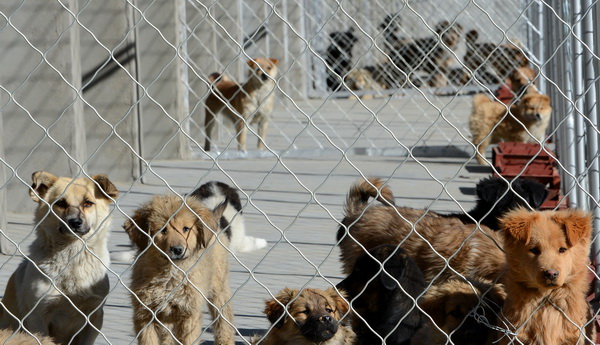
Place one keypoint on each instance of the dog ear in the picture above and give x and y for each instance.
(341, 305)
(141, 238)
(42, 181)
(274, 61)
(577, 225)
(534, 192)
(108, 188)
(251, 63)
(517, 224)
(275, 308)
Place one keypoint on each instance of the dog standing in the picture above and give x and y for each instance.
(339, 57)
(307, 317)
(547, 278)
(525, 121)
(180, 261)
(214, 193)
(249, 103)
(65, 273)
(432, 240)
(385, 300)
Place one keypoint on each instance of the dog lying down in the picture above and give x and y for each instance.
(456, 308)
(213, 193)
(385, 301)
(307, 317)
(428, 237)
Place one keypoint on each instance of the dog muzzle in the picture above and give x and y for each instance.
(319, 328)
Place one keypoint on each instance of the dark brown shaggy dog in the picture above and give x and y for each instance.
(457, 307)
(180, 261)
(429, 238)
(307, 317)
(385, 301)
(547, 277)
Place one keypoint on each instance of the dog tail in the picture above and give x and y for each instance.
(362, 190)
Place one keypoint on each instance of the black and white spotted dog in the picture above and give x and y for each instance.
(214, 193)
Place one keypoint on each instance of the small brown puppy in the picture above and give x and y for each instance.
(307, 317)
(523, 80)
(249, 103)
(526, 121)
(547, 277)
(432, 240)
(456, 307)
(180, 262)
(60, 289)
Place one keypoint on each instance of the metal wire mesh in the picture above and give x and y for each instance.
(378, 88)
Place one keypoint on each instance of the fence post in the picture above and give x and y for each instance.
(3, 208)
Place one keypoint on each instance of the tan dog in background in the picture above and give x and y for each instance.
(9, 337)
(547, 278)
(249, 103)
(315, 318)
(76, 269)
(180, 262)
(530, 114)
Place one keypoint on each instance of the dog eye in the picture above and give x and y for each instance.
(535, 251)
(562, 250)
(186, 229)
(305, 311)
(329, 310)
(87, 204)
(457, 314)
(61, 204)
(163, 231)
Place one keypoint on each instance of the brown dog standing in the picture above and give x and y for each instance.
(245, 104)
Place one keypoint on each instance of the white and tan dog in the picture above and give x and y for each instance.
(64, 277)
(249, 103)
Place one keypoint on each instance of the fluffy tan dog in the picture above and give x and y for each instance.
(360, 79)
(63, 277)
(457, 307)
(491, 123)
(547, 277)
(180, 261)
(435, 242)
(307, 317)
(249, 103)
(9, 337)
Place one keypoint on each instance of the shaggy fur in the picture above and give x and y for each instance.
(69, 212)
(526, 121)
(386, 307)
(547, 277)
(9, 337)
(470, 250)
(252, 101)
(495, 197)
(214, 193)
(180, 261)
(454, 307)
(307, 317)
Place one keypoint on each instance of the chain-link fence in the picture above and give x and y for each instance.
(291, 103)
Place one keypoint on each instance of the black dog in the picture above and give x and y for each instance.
(494, 199)
(339, 57)
(384, 306)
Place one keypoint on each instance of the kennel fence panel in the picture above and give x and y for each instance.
(119, 87)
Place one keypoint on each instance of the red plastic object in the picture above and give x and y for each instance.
(555, 201)
(544, 173)
(511, 153)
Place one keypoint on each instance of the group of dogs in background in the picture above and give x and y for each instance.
(468, 276)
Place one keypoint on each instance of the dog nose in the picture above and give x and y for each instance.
(177, 251)
(551, 274)
(538, 116)
(75, 223)
(326, 318)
